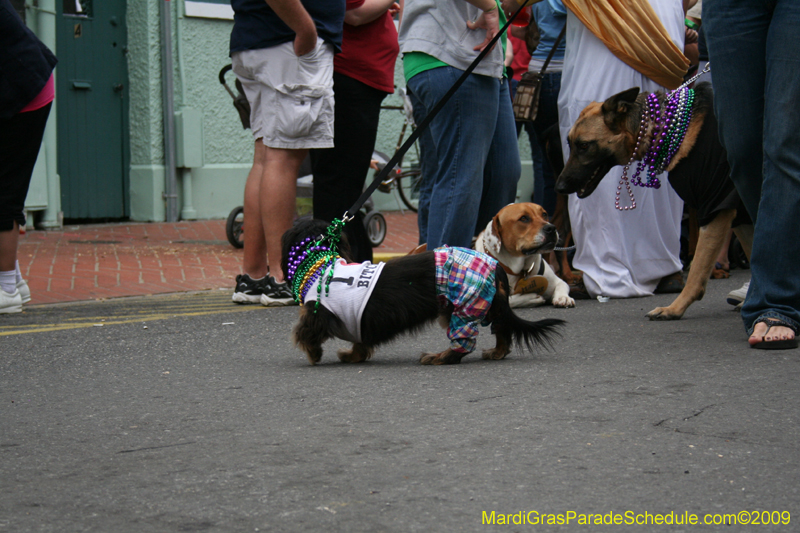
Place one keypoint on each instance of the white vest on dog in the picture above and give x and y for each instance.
(348, 293)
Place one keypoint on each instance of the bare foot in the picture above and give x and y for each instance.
(762, 332)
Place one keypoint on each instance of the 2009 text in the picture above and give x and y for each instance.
(631, 518)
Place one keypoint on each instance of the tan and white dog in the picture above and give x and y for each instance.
(516, 237)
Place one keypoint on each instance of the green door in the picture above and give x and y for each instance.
(92, 96)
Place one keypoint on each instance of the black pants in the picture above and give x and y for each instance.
(340, 172)
(20, 140)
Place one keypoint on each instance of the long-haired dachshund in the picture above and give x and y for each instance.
(370, 304)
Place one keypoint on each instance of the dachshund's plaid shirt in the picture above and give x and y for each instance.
(466, 279)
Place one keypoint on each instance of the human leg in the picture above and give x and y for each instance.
(751, 43)
(254, 262)
(250, 285)
(537, 160)
(9, 241)
(277, 193)
(10, 297)
(340, 172)
(461, 149)
(722, 262)
(292, 111)
(774, 290)
(428, 166)
(547, 116)
(20, 141)
(503, 168)
(736, 35)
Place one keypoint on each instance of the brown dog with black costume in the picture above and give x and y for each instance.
(607, 134)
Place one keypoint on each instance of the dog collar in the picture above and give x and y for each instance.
(508, 269)
(488, 251)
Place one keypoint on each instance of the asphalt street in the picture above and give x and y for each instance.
(189, 413)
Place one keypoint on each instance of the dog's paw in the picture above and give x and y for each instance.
(494, 354)
(358, 354)
(314, 353)
(430, 359)
(719, 273)
(563, 301)
(447, 357)
(663, 313)
(520, 301)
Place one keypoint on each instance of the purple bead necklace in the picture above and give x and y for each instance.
(668, 129)
(309, 260)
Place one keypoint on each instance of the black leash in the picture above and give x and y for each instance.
(348, 215)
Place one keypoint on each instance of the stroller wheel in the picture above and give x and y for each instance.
(234, 227)
(375, 225)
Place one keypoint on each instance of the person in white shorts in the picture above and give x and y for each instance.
(282, 52)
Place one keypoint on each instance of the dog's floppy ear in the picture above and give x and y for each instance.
(493, 242)
(616, 108)
(419, 249)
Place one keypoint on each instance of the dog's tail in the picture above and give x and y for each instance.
(534, 333)
(528, 333)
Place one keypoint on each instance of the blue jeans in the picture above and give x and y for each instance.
(472, 154)
(427, 165)
(544, 182)
(756, 69)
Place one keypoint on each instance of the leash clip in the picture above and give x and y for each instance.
(694, 78)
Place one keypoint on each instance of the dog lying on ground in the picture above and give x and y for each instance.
(517, 236)
(606, 135)
(370, 304)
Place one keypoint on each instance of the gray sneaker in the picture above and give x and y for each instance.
(737, 297)
(276, 294)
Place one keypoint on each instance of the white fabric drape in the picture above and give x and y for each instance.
(622, 254)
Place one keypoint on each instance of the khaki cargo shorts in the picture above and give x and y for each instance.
(291, 97)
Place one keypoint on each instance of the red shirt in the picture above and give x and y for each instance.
(521, 57)
(369, 51)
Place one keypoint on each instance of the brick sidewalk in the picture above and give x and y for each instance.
(135, 259)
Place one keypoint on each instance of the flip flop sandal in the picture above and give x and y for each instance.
(785, 344)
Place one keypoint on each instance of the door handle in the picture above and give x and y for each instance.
(118, 88)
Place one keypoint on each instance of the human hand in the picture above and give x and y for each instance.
(691, 36)
(489, 21)
(305, 41)
(394, 9)
(509, 7)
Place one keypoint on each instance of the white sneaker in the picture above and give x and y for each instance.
(10, 303)
(737, 297)
(24, 291)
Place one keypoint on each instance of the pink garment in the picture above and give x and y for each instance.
(47, 95)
